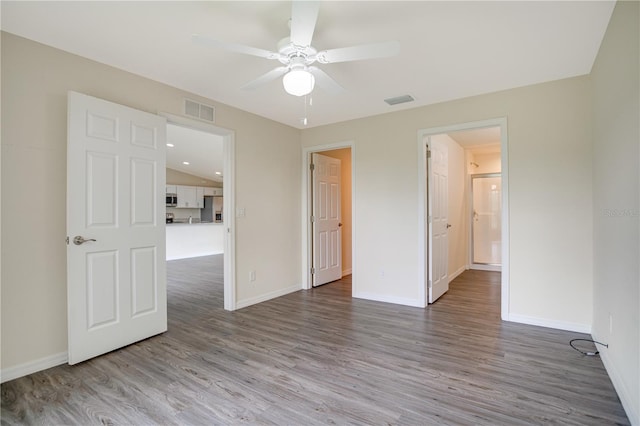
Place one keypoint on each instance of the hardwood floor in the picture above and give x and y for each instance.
(321, 357)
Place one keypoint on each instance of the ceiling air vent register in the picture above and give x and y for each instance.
(199, 111)
(399, 100)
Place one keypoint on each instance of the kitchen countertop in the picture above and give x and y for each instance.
(186, 222)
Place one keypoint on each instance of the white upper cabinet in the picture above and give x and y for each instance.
(192, 197)
(213, 191)
(200, 197)
(187, 197)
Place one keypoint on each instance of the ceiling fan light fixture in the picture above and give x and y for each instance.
(298, 82)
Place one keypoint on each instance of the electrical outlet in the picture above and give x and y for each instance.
(240, 212)
(252, 275)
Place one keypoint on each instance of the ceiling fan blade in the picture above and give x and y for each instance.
(325, 82)
(358, 53)
(265, 78)
(304, 15)
(233, 47)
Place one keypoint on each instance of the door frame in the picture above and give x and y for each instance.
(307, 229)
(228, 192)
(422, 206)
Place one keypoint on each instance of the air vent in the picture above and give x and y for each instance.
(399, 100)
(199, 111)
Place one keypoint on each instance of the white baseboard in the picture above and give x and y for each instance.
(630, 407)
(32, 366)
(268, 296)
(481, 267)
(346, 272)
(457, 273)
(389, 299)
(542, 322)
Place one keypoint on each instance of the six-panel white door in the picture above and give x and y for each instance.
(327, 232)
(438, 204)
(116, 287)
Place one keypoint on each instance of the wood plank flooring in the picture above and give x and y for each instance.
(321, 357)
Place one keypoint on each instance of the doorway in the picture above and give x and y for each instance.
(486, 221)
(463, 170)
(345, 152)
(225, 229)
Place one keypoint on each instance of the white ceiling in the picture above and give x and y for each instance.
(203, 152)
(449, 50)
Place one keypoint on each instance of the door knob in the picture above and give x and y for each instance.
(339, 224)
(77, 240)
(448, 225)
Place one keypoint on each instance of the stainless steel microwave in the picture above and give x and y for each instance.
(172, 200)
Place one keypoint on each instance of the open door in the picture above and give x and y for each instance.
(116, 273)
(327, 232)
(437, 204)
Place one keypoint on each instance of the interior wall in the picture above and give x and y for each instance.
(487, 162)
(176, 177)
(35, 82)
(550, 213)
(344, 155)
(616, 206)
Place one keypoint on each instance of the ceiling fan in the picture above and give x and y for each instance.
(297, 56)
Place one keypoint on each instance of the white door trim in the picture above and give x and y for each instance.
(306, 211)
(228, 192)
(422, 167)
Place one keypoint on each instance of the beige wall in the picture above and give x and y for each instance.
(176, 177)
(344, 155)
(35, 81)
(616, 207)
(487, 163)
(551, 220)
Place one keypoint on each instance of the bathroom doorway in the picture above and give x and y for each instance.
(486, 221)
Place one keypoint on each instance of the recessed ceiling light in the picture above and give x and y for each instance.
(218, 173)
(170, 145)
(186, 163)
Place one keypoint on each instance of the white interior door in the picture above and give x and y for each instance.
(327, 231)
(116, 278)
(438, 196)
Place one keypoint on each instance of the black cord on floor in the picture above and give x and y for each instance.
(587, 340)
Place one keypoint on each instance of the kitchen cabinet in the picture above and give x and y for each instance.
(187, 197)
(213, 192)
(171, 189)
(200, 197)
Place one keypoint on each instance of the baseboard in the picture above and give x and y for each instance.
(480, 267)
(346, 272)
(32, 367)
(268, 296)
(542, 322)
(389, 299)
(621, 389)
(457, 273)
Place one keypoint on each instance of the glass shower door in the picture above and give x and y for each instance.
(487, 219)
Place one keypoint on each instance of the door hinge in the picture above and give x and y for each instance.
(428, 153)
(312, 166)
(67, 240)
(313, 271)
(429, 283)
(313, 219)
